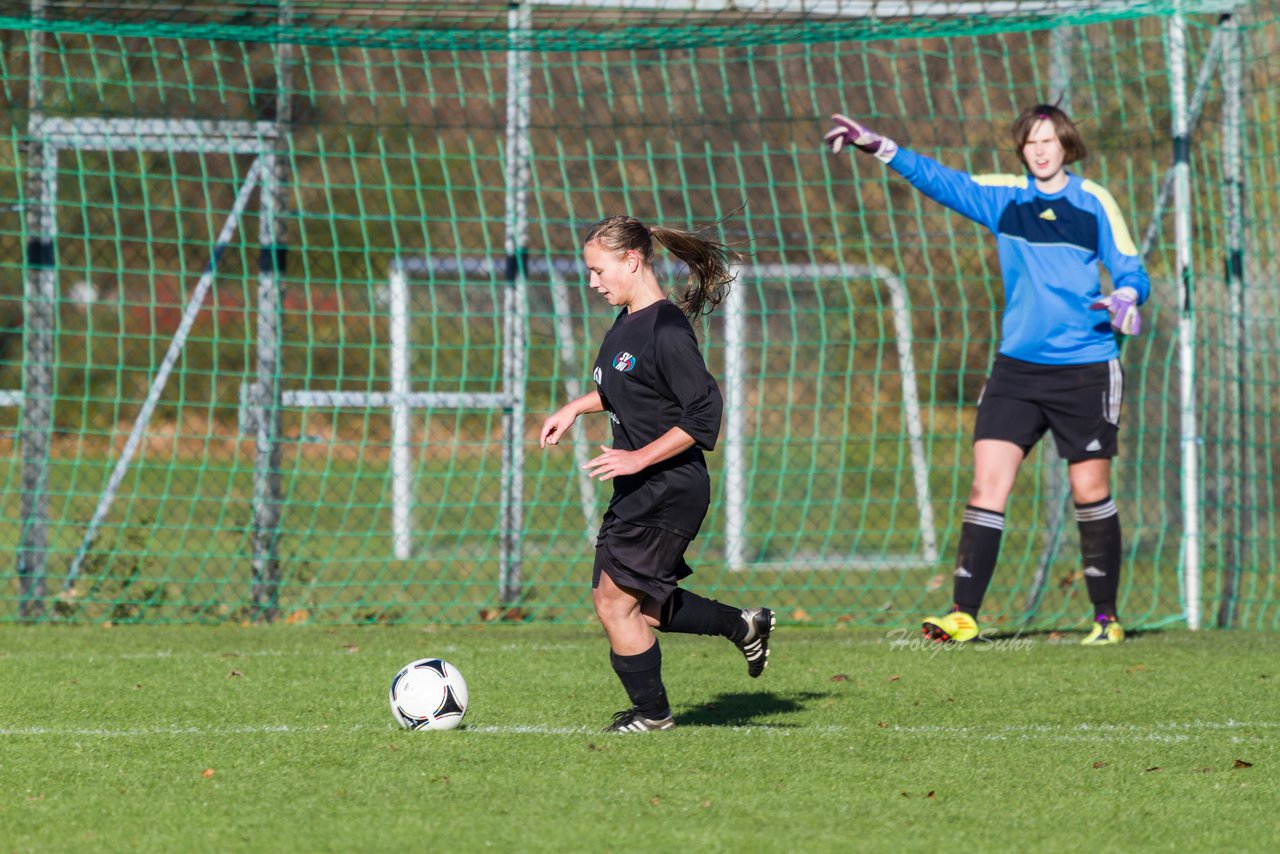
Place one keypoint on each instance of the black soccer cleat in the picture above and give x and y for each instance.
(630, 720)
(755, 646)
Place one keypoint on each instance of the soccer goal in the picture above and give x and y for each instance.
(905, 439)
(77, 135)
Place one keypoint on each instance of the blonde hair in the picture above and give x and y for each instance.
(709, 262)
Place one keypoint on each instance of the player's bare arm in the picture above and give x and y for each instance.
(562, 419)
(615, 461)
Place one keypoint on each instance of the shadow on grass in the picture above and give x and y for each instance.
(746, 709)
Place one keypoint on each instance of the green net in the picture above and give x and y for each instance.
(286, 290)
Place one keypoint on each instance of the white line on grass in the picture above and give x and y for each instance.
(147, 732)
(1169, 731)
(229, 654)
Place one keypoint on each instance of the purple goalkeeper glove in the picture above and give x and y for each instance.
(1123, 305)
(849, 132)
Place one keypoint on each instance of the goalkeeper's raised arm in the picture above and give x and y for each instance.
(979, 200)
(1053, 229)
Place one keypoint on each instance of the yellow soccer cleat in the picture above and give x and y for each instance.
(1106, 630)
(955, 627)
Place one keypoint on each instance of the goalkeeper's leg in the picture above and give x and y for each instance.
(1101, 546)
(1085, 419)
(976, 557)
(996, 465)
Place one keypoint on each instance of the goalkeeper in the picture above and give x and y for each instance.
(1057, 368)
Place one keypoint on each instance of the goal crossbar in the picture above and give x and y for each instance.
(168, 135)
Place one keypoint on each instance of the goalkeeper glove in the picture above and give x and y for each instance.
(849, 132)
(1123, 305)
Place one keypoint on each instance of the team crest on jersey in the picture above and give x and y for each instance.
(624, 362)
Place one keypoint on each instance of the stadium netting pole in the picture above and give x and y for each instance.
(1238, 312)
(272, 265)
(401, 428)
(1177, 28)
(518, 171)
(735, 468)
(39, 330)
(1204, 81)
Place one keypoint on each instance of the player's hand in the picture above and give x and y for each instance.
(556, 425)
(1123, 305)
(849, 132)
(614, 462)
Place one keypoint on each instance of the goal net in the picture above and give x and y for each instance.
(290, 286)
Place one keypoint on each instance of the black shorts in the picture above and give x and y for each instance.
(1079, 403)
(647, 560)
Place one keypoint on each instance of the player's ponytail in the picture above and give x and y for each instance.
(710, 268)
(709, 262)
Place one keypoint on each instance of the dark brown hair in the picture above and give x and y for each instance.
(710, 263)
(1072, 145)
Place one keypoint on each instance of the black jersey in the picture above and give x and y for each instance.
(651, 378)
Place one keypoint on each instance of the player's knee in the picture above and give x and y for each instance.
(612, 605)
(1090, 481)
(1090, 492)
(989, 495)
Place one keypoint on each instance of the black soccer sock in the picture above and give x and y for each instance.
(1100, 550)
(690, 614)
(641, 676)
(976, 557)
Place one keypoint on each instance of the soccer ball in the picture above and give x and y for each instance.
(428, 693)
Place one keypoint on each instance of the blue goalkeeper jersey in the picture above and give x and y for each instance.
(1050, 247)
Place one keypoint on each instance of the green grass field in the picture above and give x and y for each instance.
(280, 738)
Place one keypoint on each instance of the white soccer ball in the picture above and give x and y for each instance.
(428, 694)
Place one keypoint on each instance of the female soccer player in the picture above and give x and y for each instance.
(665, 408)
(1057, 367)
